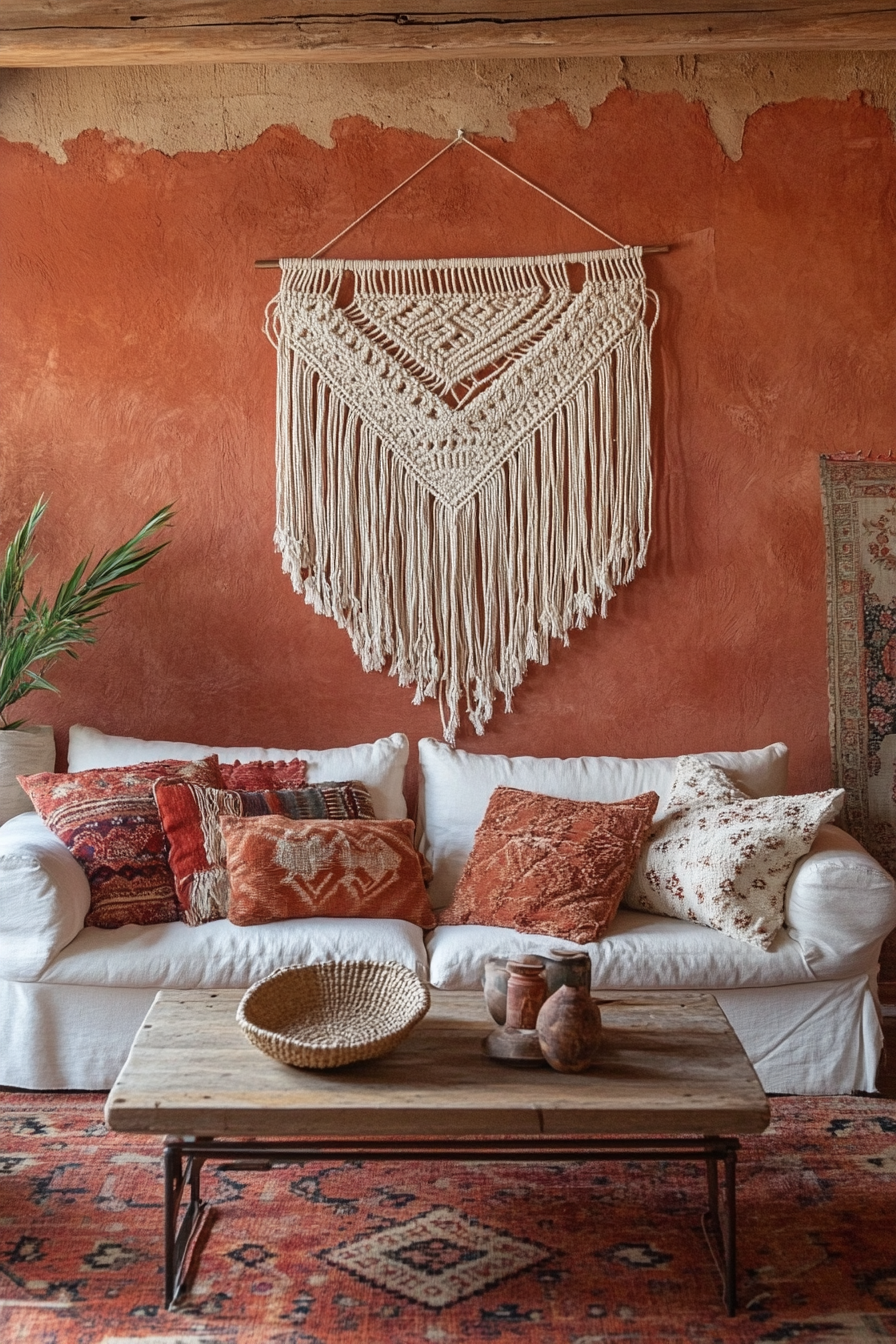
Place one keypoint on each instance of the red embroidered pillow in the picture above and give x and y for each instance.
(264, 774)
(284, 869)
(190, 816)
(550, 865)
(110, 822)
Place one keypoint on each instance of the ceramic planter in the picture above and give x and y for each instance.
(23, 751)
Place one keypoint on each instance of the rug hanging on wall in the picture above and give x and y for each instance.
(859, 500)
(463, 457)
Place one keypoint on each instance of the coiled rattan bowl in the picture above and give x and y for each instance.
(333, 1012)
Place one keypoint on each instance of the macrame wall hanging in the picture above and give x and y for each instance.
(463, 456)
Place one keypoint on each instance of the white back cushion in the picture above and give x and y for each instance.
(455, 787)
(380, 765)
(44, 897)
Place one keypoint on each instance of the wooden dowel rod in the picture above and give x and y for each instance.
(272, 263)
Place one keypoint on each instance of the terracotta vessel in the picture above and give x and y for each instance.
(494, 984)
(518, 1041)
(526, 992)
(569, 1029)
(562, 966)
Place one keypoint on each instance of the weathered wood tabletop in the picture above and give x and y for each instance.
(668, 1064)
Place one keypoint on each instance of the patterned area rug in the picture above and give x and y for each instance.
(378, 1253)
(859, 501)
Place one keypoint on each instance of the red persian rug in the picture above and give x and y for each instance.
(379, 1252)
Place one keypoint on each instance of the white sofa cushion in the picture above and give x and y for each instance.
(44, 897)
(380, 765)
(221, 956)
(639, 952)
(455, 787)
(840, 903)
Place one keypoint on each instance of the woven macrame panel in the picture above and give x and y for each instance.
(463, 458)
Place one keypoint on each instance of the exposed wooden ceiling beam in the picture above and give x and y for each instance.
(161, 32)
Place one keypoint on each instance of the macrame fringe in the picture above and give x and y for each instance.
(209, 897)
(210, 889)
(456, 599)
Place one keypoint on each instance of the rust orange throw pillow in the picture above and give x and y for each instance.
(110, 822)
(285, 869)
(256, 775)
(550, 865)
(190, 818)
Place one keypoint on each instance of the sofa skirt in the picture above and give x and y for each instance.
(820, 1037)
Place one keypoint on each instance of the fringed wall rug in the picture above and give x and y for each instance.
(859, 505)
(463, 457)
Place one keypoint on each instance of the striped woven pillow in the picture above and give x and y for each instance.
(196, 852)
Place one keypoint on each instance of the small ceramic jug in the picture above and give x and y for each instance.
(526, 992)
(569, 1029)
(562, 966)
(494, 984)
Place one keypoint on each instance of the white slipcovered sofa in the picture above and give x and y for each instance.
(72, 998)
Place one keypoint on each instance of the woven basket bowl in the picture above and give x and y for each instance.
(333, 1012)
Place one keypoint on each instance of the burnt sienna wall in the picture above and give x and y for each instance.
(135, 371)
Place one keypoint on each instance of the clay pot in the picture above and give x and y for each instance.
(526, 992)
(565, 967)
(569, 1029)
(494, 984)
(518, 1042)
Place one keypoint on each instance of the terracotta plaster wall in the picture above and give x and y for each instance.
(134, 371)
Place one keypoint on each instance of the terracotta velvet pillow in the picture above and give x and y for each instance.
(284, 869)
(110, 822)
(190, 817)
(550, 865)
(255, 775)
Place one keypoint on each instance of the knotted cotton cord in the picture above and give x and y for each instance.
(463, 459)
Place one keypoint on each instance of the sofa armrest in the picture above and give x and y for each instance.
(44, 897)
(840, 904)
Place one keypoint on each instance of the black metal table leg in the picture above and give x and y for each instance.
(731, 1237)
(184, 1159)
(712, 1189)
(179, 1172)
(722, 1240)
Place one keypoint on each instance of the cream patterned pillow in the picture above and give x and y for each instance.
(721, 858)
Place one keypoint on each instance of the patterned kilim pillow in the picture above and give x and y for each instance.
(255, 775)
(723, 859)
(284, 869)
(190, 815)
(110, 822)
(550, 865)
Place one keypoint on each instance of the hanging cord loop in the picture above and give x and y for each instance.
(388, 196)
(462, 139)
(535, 187)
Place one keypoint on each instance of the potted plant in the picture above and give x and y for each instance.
(35, 631)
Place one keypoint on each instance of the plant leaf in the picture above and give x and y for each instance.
(35, 632)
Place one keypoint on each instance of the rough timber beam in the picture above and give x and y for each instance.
(161, 32)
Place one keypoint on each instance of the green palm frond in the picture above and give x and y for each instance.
(35, 631)
(16, 564)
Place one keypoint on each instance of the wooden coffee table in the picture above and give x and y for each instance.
(671, 1082)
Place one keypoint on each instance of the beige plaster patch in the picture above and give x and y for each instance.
(215, 107)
